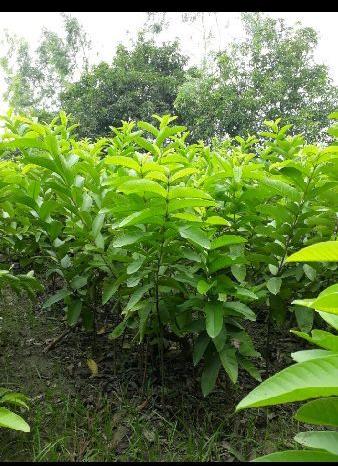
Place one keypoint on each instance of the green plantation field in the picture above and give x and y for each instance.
(149, 284)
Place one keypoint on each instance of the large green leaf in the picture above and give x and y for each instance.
(127, 162)
(274, 284)
(309, 379)
(227, 240)
(178, 204)
(327, 303)
(58, 296)
(110, 287)
(187, 192)
(200, 345)
(214, 318)
(323, 411)
(74, 311)
(17, 399)
(330, 319)
(304, 456)
(140, 186)
(320, 252)
(324, 440)
(229, 362)
(196, 235)
(306, 355)
(138, 217)
(320, 338)
(137, 295)
(283, 189)
(210, 373)
(12, 421)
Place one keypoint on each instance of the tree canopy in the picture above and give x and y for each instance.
(140, 82)
(272, 73)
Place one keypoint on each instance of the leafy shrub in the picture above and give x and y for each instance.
(314, 376)
(180, 241)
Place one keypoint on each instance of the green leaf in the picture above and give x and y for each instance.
(138, 217)
(274, 284)
(305, 456)
(209, 374)
(148, 127)
(140, 186)
(304, 318)
(330, 319)
(109, 288)
(250, 368)
(323, 411)
(12, 421)
(241, 309)
(283, 189)
(226, 240)
(306, 355)
(135, 265)
(327, 441)
(74, 311)
(137, 295)
(196, 235)
(66, 262)
(188, 216)
(310, 272)
(239, 272)
(327, 303)
(320, 252)
(127, 162)
(17, 399)
(200, 345)
(309, 379)
(118, 330)
(58, 296)
(321, 338)
(97, 224)
(229, 362)
(143, 315)
(126, 240)
(203, 286)
(182, 191)
(78, 282)
(147, 145)
(216, 220)
(214, 318)
(183, 173)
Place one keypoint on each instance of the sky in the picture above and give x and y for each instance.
(107, 29)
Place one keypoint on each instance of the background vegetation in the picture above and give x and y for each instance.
(270, 73)
(167, 257)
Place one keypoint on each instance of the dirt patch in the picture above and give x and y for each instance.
(128, 389)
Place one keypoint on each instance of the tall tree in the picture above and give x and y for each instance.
(35, 79)
(271, 73)
(140, 81)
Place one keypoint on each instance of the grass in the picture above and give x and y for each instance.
(65, 429)
(73, 419)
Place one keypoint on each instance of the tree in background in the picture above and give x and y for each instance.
(35, 79)
(270, 74)
(140, 82)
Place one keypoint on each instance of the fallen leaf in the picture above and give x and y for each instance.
(118, 435)
(142, 405)
(92, 367)
(149, 435)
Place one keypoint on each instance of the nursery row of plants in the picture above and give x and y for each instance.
(182, 242)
